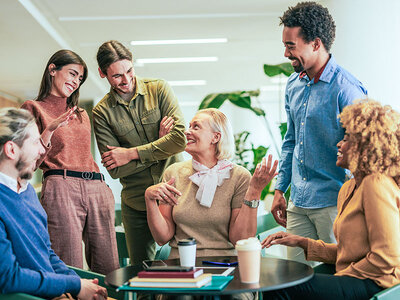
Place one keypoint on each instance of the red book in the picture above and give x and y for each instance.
(189, 274)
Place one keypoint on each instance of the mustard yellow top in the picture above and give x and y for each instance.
(367, 230)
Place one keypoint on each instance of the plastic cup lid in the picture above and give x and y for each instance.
(187, 242)
(248, 244)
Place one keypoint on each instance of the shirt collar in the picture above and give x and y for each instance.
(12, 184)
(139, 90)
(325, 73)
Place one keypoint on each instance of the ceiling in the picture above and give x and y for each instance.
(32, 30)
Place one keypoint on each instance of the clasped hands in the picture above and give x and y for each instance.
(90, 290)
(163, 192)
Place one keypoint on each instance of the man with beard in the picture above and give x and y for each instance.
(128, 123)
(27, 263)
(315, 94)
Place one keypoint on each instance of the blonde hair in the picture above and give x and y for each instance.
(14, 124)
(225, 148)
(374, 136)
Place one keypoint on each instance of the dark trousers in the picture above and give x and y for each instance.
(328, 287)
(140, 242)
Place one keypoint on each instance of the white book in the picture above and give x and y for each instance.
(171, 282)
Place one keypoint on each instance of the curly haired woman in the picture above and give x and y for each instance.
(367, 228)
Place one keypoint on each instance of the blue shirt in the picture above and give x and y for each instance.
(309, 151)
(27, 263)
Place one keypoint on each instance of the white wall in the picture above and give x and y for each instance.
(368, 44)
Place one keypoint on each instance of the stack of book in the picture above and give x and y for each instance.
(171, 279)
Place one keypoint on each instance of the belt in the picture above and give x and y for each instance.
(83, 175)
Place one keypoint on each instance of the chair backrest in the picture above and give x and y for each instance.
(392, 293)
(163, 252)
(325, 269)
(85, 274)
(266, 225)
(265, 222)
(118, 214)
(118, 218)
(18, 296)
(122, 249)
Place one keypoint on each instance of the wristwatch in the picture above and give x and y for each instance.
(252, 203)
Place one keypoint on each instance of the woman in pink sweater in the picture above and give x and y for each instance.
(79, 204)
(367, 227)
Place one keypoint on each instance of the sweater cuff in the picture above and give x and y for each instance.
(73, 284)
(312, 252)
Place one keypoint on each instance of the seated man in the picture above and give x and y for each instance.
(27, 263)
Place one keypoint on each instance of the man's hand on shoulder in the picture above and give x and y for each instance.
(91, 290)
(118, 156)
(278, 208)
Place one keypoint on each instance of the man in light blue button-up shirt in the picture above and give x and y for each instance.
(315, 95)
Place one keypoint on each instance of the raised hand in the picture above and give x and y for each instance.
(166, 125)
(63, 120)
(164, 192)
(263, 173)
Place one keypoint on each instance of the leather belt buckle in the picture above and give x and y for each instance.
(87, 175)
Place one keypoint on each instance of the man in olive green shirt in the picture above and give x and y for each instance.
(126, 124)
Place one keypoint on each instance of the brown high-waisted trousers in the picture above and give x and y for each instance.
(77, 210)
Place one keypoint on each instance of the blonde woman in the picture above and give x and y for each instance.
(208, 197)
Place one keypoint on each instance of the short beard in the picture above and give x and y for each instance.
(298, 68)
(20, 166)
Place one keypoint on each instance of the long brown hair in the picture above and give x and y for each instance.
(60, 59)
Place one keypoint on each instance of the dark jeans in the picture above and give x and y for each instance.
(327, 287)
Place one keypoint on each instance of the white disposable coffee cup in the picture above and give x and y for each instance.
(249, 255)
(187, 252)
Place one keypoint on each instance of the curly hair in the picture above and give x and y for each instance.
(374, 136)
(314, 21)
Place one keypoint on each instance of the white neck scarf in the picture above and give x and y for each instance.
(208, 179)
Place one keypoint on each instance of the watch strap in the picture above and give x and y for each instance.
(252, 203)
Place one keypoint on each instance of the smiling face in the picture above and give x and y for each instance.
(201, 140)
(66, 80)
(302, 55)
(121, 77)
(343, 152)
(30, 152)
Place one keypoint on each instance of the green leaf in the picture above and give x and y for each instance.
(283, 129)
(273, 70)
(239, 98)
(213, 101)
(258, 111)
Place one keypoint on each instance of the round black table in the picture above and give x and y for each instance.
(275, 274)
